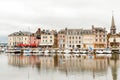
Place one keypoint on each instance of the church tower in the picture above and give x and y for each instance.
(113, 27)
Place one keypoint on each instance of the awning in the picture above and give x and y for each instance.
(27, 45)
(33, 45)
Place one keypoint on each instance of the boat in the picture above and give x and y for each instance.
(107, 51)
(17, 51)
(46, 52)
(27, 52)
(99, 52)
(83, 51)
(52, 51)
(60, 51)
(66, 51)
(76, 51)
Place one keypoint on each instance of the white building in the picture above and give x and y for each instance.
(73, 38)
(18, 38)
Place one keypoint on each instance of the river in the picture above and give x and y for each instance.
(14, 67)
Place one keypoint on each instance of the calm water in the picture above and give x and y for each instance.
(58, 68)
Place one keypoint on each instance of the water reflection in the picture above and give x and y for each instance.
(73, 65)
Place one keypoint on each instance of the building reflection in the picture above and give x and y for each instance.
(61, 63)
(67, 65)
(115, 63)
(78, 64)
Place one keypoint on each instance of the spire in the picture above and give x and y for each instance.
(113, 27)
(113, 22)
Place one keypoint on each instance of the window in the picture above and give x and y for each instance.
(104, 40)
(79, 37)
(79, 41)
(69, 45)
(50, 36)
(69, 41)
(69, 37)
(73, 37)
(96, 39)
(76, 41)
(76, 37)
(50, 40)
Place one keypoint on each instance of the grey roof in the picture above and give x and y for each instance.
(87, 31)
(61, 31)
(75, 29)
(20, 33)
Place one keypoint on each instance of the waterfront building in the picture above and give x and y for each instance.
(55, 33)
(113, 36)
(100, 37)
(17, 38)
(88, 39)
(114, 39)
(34, 41)
(35, 38)
(73, 38)
(61, 39)
(47, 39)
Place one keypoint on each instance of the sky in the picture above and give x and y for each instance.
(29, 15)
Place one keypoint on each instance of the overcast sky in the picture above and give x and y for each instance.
(28, 15)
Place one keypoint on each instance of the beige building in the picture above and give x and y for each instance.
(100, 37)
(113, 37)
(83, 38)
(47, 39)
(18, 38)
(114, 40)
(88, 39)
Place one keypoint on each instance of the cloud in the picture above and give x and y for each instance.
(18, 15)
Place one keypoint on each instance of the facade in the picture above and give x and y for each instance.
(83, 38)
(113, 37)
(114, 40)
(61, 38)
(17, 38)
(47, 39)
(100, 37)
(73, 38)
(34, 41)
(88, 39)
